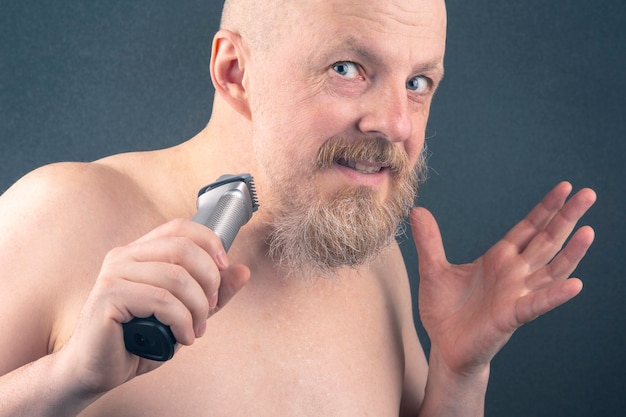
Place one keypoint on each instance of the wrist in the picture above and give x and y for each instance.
(454, 392)
(42, 388)
(473, 373)
(71, 391)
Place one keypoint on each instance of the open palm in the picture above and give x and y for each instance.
(470, 311)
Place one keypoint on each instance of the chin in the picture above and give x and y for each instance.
(347, 227)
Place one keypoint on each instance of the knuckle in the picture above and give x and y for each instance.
(177, 226)
(161, 296)
(110, 274)
(212, 281)
(186, 317)
(203, 310)
(106, 283)
(177, 276)
(114, 254)
(182, 245)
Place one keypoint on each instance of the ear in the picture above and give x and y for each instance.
(228, 59)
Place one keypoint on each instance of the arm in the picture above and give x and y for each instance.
(31, 300)
(51, 253)
(43, 388)
(134, 281)
(470, 311)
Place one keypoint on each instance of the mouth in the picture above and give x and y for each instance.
(362, 167)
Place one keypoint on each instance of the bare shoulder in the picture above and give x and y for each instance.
(66, 198)
(392, 272)
(56, 225)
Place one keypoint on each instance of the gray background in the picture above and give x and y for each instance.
(534, 94)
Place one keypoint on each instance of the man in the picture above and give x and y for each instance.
(309, 313)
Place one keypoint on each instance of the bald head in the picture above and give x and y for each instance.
(263, 22)
(257, 21)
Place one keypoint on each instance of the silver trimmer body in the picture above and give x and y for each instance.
(226, 205)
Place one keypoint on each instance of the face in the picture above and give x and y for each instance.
(339, 106)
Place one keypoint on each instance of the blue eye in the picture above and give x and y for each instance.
(346, 69)
(419, 84)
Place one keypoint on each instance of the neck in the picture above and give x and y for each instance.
(223, 147)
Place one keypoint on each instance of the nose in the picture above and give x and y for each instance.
(386, 113)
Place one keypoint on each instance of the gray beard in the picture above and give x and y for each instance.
(313, 237)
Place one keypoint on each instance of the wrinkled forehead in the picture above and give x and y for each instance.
(405, 16)
(416, 26)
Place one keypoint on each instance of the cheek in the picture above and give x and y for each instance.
(284, 144)
(414, 148)
(304, 126)
(415, 144)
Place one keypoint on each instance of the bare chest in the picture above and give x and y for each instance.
(342, 357)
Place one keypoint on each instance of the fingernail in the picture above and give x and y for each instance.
(213, 300)
(222, 260)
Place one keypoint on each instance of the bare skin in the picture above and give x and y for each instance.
(85, 247)
(276, 344)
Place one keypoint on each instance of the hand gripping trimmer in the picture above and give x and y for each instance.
(223, 206)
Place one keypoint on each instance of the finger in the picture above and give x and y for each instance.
(132, 299)
(428, 241)
(545, 245)
(175, 280)
(564, 264)
(180, 251)
(539, 217)
(198, 233)
(537, 303)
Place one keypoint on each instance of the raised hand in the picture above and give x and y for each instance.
(471, 310)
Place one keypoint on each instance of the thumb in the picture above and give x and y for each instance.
(234, 278)
(428, 241)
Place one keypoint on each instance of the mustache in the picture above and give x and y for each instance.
(377, 150)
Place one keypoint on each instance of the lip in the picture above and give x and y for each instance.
(357, 178)
(360, 165)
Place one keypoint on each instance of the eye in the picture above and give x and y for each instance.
(418, 84)
(346, 69)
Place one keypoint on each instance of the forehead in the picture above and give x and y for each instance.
(406, 17)
(415, 28)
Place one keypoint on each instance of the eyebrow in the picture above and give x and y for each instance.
(352, 44)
